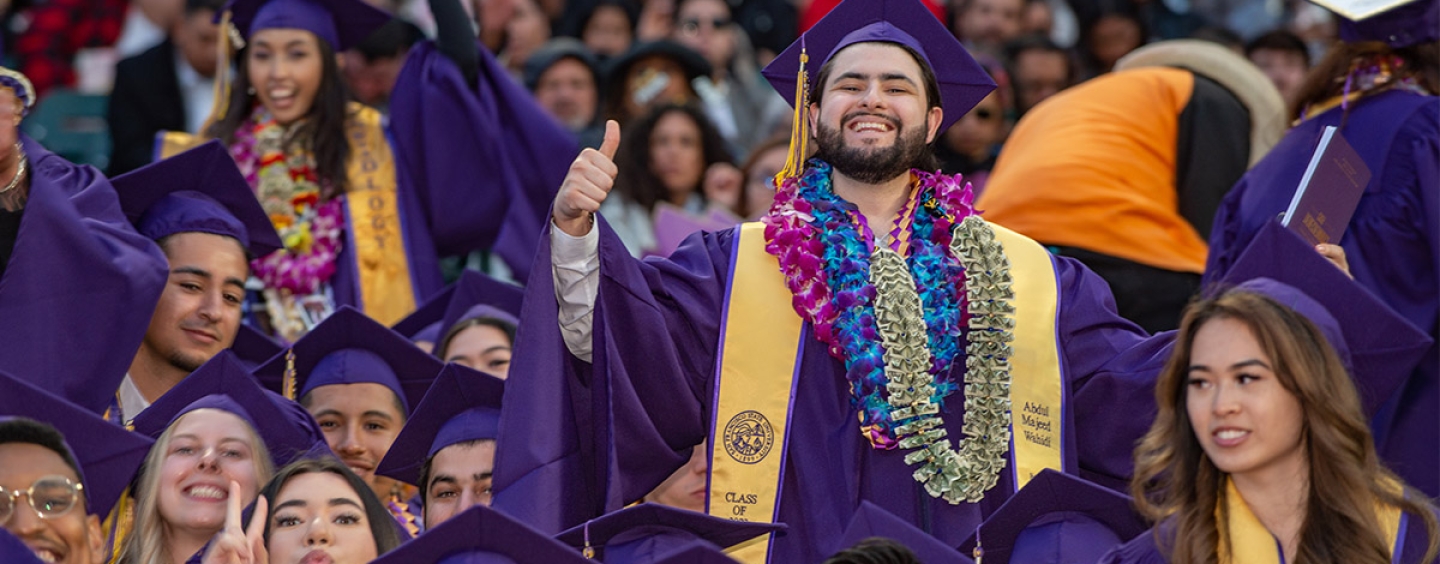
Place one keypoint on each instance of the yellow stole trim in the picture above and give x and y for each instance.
(760, 354)
(381, 260)
(1254, 544)
(119, 524)
(1037, 388)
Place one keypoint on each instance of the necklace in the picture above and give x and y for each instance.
(19, 170)
(898, 322)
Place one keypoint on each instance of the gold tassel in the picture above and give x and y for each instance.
(288, 382)
(230, 42)
(800, 127)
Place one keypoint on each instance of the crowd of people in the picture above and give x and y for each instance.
(860, 281)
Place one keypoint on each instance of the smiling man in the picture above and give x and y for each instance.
(197, 206)
(68, 467)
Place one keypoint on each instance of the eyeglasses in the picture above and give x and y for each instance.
(692, 25)
(50, 497)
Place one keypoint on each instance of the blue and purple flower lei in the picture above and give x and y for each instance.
(825, 258)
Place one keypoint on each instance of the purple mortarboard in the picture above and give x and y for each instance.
(650, 532)
(350, 348)
(481, 535)
(1382, 346)
(425, 320)
(107, 454)
(14, 551)
(478, 295)
(224, 383)
(462, 405)
(199, 190)
(1057, 519)
(870, 521)
(963, 82)
(697, 552)
(1398, 23)
(254, 348)
(341, 23)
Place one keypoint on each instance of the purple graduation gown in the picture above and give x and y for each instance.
(477, 166)
(79, 272)
(578, 440)
(1144, 549)
(1392, 244)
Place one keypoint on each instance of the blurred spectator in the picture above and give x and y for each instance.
(986, 25)
(525, 31)
(1038, 70)
(563, 77)
(1054, 19)
(1283, 58)
(738, 101)
(170, 87)
(770, 25)
(610, 29)
(650, 74)
(1108, 38)
(372, 66)
(1124, 172)
(970, 146)
(764, 162)
(663, 157)
(657, 20)
(1220, 36)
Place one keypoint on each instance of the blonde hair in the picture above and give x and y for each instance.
(1176, 480)
(146, 543)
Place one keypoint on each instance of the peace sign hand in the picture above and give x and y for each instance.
(235, 544)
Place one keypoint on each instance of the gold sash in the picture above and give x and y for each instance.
(759, 352)
(381, 259)
(760, 357)
(1254, 544)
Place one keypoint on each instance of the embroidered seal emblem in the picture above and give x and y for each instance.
(748, 437)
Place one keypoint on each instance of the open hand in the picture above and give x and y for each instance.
(1335, 254)
(589, 181)
(236, 544)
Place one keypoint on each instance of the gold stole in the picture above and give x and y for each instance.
(372, 210)
(1253, 543)
(760, 352)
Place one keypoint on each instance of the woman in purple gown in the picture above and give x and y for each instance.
(1260, 450)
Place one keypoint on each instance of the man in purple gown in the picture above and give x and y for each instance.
(613, 399)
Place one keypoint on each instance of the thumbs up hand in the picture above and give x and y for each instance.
(589, 181)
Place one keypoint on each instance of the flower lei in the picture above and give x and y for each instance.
(289, 191)
(872, 309)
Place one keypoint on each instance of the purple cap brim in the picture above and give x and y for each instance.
(462, 405)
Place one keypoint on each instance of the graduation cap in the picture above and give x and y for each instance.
(697, 553)
(462, 405)
(481, 535)
(423, 324)
(1398, 23)
(341, 23)
(963, 82)
(474, 295)
(107, 454)
(224, 383)
(199, 190)
(13, 551)
(1057, 519)
(870, 521)
(253, 348)
(350, 348)
(650, 532)
(1380, 347)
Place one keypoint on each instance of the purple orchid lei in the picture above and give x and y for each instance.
(825, 257)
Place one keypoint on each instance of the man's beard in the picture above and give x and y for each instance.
(871, 165)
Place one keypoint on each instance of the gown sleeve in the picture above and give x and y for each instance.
(483, 159)
(631, 419)
(80, 271)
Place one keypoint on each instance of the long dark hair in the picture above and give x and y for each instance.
(1326, 79)
(636, 179)
(382, 526)
(1175, 480)
(323, 133)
